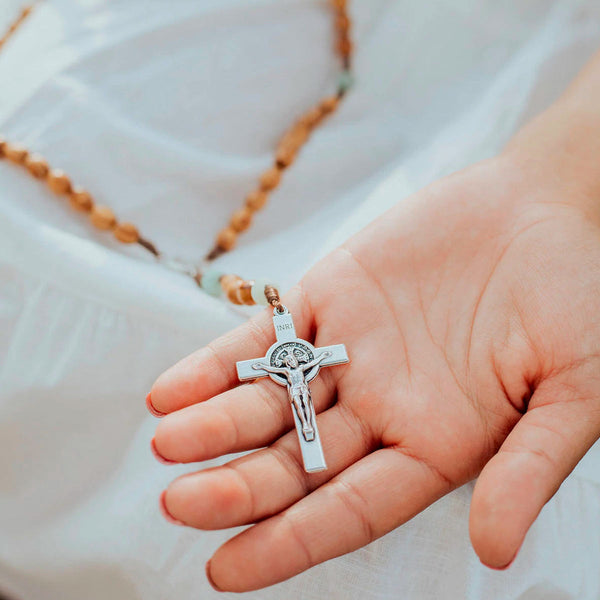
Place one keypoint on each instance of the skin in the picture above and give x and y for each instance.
(470, 313)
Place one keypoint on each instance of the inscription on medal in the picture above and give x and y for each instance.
(302, 353)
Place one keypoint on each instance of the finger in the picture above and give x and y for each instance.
(533, 461)
(265, 482)
(244, 418)
(211, 370)
(370, 498)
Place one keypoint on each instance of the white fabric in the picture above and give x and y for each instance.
(167, 111)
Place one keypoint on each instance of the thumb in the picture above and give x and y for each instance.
(560, 425)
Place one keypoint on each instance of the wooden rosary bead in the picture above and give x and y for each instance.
(230, 284)
(339, 4)
(343, 23)
(103, 217)
(295, 137)
(127, 233)
(234, 296)
(227, 238)
(290, 144)
(3, 144)
(241, 219)
(329, 104)
(285, 156)
(37, 165)
(15, 153)
(256, 199)
(344, 46)
(313, 117)
(270, 179)
(245, 293)
(81, 200)
(58, 181)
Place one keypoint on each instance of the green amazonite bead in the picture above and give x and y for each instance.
(210, 282)
(345, 81)
(258, 290)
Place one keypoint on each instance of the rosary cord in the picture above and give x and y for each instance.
(216, 283)
(25, 12)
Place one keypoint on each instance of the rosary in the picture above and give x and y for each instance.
(290, 361)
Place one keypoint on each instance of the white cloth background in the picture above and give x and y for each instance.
(167, 111)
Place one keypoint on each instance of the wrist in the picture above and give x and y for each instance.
(560, 148)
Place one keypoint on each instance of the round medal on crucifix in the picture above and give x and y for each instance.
(301, 350)
(293, 362)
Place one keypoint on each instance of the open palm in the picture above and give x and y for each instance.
(470, 315)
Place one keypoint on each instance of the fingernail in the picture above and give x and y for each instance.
(152, 410)
(210, 579)
(159, 457)
(164, 511)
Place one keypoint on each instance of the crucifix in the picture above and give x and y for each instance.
(293, 362)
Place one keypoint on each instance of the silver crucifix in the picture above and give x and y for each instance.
(293, 362)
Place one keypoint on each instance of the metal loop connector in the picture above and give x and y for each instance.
(280, 309)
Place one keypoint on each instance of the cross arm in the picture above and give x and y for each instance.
(338, 355)
(246, 372)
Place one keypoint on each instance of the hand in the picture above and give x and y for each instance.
(470, 315)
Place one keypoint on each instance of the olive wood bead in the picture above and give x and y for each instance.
(15, 153)
(270, 179)
(245, 293)
(343, 23)
(241, 219)
(227, 238)
(58, 181)
(233, 295)
(103, 217)
(285, 156)
(229, 281)
(329, 104)
(37, 165)
(295, 137)
(256, 199)
(313, 117)
(344, 46)
(81, 200)
(127, 233)
(231, 286)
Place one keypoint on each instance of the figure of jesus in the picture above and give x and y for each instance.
(298, 389)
